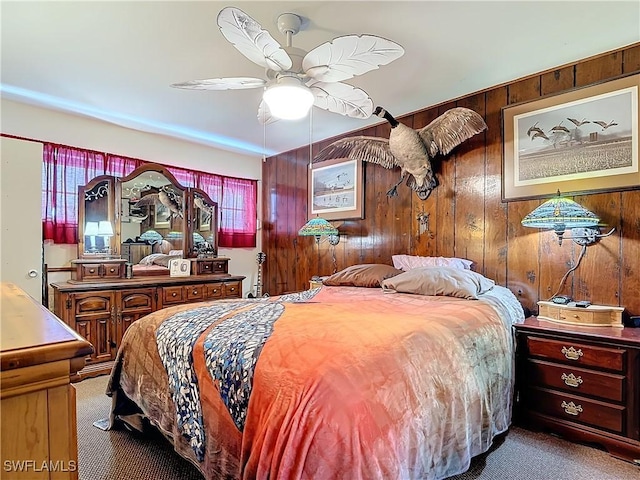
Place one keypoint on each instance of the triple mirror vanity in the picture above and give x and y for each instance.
(130, 230)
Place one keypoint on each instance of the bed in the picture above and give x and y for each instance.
(342, 381)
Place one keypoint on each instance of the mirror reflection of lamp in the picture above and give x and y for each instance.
(91, 230)
(105, 230)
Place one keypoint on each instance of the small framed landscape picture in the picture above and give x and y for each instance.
(336, 189)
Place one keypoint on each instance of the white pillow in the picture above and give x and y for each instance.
(408, 262)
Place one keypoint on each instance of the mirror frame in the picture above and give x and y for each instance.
(112, 215)
(192, 220)
(115, 211)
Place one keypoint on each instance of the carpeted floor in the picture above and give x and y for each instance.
(107, 455)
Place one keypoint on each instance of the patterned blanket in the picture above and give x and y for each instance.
(339, 382)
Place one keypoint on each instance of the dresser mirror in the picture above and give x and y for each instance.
(205, 221)
(152, 209)
(96, 217)
(146, 212)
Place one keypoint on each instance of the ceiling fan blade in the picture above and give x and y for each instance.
(346, 57)
(342, 98)
(264, 115)
(231, 83)
(252, 40)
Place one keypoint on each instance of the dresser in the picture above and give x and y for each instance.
(102, 311)
(38, 353)
(580, 382)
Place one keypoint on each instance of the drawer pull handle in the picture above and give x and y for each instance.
(215, 290)
(571, 380)
(92, 270)
(232, 289)
(571, 408)
(571, 353)
(195, 292)
(112, 270)
(174, 294)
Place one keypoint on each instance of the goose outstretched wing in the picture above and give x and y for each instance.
(451, 129)
(368, 149)
(149, 199)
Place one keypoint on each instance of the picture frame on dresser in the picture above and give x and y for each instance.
(179, 267)
(581, 141)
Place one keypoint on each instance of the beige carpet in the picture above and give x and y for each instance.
(106, 455)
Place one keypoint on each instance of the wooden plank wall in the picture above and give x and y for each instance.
(466, 215)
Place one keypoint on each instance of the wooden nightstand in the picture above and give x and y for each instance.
(580, 382)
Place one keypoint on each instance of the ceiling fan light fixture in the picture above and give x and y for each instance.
(288, 99)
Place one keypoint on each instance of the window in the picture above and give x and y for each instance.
(67, 168)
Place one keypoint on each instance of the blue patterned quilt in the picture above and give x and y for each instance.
(238, 331)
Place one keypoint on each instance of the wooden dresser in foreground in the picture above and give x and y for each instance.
(581, 382)
(38, 353)
(101, 311)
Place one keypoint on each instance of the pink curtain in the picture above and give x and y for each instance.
(121, 166)
(64, 169)
(238, 204)
(67, 168)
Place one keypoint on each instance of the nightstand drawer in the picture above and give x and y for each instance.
(576, 409)
(577, 353)
(607, 386)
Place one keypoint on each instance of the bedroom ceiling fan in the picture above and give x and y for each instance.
(295, 79)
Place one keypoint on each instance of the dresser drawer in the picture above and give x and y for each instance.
(194, 292)
(209, 266)
(213, 291)
(112, 270)
(172, 295)
(577, 353)
(91, 271)
(607, 386)
(232, 289)
(576, 409)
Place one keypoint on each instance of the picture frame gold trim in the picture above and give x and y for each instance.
(336, 189)
(577, 142)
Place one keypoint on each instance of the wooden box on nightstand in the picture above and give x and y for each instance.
(581, 382)
(593, 315)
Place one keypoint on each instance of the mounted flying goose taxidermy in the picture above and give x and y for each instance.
(410, 149)
(166, 197)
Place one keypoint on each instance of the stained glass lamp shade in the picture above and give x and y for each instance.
(319, 227)
(560, 214)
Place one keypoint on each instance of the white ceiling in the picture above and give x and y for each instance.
(115, 60)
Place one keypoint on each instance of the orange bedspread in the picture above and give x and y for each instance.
(354, 384)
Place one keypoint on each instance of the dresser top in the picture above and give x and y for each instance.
(30, 334)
